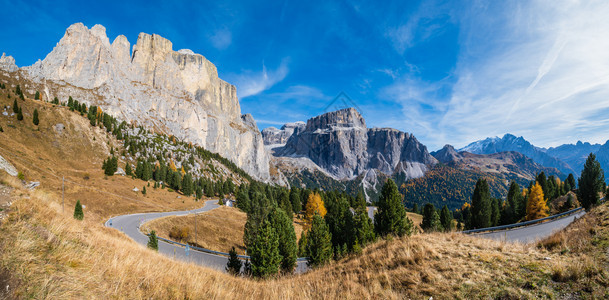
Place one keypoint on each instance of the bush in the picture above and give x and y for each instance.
(21, 176)
(234, 264)
(179, 233)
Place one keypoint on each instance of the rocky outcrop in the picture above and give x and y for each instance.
(447, 154)
(7, 63)
(340, 143)
(274, 136)
(174, 92)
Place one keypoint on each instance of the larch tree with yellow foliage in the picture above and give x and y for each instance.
(537, 207)
(314, 206)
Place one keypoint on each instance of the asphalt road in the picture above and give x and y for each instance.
(531, 233)
(130, 224)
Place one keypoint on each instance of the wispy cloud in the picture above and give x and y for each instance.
(252, 83)
(538, 69)
(221, 39)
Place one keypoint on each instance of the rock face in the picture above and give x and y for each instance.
(447, 154)
(518, 144)
(175, 92)
(274, 136)
(7, 63)
(340, 143)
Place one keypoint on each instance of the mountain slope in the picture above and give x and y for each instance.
(575, 155)
(173, 92)
(510, 142)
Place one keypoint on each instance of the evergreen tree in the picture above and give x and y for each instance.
(111, 166)
(285, 204)
(264, 251)
(415, 209)
(288, 249)
(431, 219)
(198, 193)
(187, 186)
(481, 205)
(536, 204)
(144, 191)
(20, 115)
(390, 217)
(128, 170)
(340, 222)
(571, 184)
(363, 229)
(15, 107)
(37, 95)
(153, 242)
(243, 199)
(234, 263)
(139, 169)
(446, 219)
(513, 209)
(318, 247)
(591, 183)
(78, 213)
(495, 211)
(35, 117)
(543, 182)
(295, 200)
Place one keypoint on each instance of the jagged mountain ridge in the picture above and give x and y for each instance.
(175, 92)
(510, 142)
(509, 163)
(574, 154)
(340, 143)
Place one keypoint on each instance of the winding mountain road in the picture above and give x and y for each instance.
(130, 225)
(531, 233)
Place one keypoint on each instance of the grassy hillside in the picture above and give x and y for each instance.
(65, 258)
(218, 229)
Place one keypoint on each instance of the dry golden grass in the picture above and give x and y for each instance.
(219, 229)
(48, 254)
(43, 154)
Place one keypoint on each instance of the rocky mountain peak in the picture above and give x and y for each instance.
(7, 63)
(447, 154)
(175, 92)
(344, 118)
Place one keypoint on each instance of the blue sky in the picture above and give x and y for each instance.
(448, 72)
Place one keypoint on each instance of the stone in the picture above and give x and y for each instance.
(176, 92)
(340, 143)
(7, 63)
(8, 167)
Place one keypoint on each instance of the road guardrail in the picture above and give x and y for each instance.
(524, 223)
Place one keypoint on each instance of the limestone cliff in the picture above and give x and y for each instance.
(175, 92)
(341, 144)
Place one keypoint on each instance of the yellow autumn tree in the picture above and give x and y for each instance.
(537, 207)
(182, 171)
(314, 205)
(172, 166)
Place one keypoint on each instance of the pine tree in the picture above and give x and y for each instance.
(481, 206)
(234, 263)
(264, 251)
(495, 211)
(431, 219)
(543, 182)
(513, 209)
(35, 117)
(591, 183)
(37, 95)
(536, 204)
(128, 170)
(571, 184)
(187, 186)
(243, 199)
(78, 213)
(288, 248)
(153, 242)
(318, 247)
(446, 219)
(20, 115)
(390, 217)
(111, 166)
(295, 200)
(144, 190)
(15, 107)
(415, 209)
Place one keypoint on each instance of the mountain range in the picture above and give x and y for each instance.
(179, 93)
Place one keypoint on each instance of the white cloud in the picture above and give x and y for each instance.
(252, 83)
(221, 39)
(538, 69)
